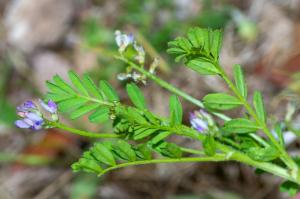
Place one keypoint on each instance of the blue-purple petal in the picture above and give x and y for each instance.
(29, 104)
(51, 107)
(34, 117)
(22, 124)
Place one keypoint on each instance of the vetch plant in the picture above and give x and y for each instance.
(138, 133)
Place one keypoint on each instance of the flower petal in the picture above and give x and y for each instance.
(50, 107)
(22, 124)
(34, 117)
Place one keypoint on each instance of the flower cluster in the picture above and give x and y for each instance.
(126, 40)
(33, 117)
(201, 121)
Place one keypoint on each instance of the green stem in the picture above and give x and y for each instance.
(192, 151)
(216, 158)
(81, 132)
(287, 159)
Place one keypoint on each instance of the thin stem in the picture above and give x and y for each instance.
(216, 158)
(192, 151)
(81, 132)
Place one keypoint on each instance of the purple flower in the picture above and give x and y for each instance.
(198, 123)
(32, 117)
(30, 120)
(51, 107)
(27, 106)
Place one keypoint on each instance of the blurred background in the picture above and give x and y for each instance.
(41, 38)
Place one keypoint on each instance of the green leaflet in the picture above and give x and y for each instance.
(279, 133)
(221, 101)
(56, 97)
(109, 92)
(240, 125)
(134, 115)
(240, 80)
(209, 145)
(262, 154)
(56, 89)
(102, 154)
(77, 83)
(161, 136)
(202, 67)
(175, 111)
(216, 44)
(143, 152)
(259, 106)
(63, 85)
(123, 150)
(170, 150)
(91, 87)
(290, 187)
(71, 104)
(151, 118)
(87, 165)
(143, 133)
(83, 110)
(136, 96)
(100, 115)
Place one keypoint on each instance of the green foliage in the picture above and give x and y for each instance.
(101, 153)
(105, 156)
(259, 106)
(202, 66)
(142, 135)
(290, 187)
(262, 154)
(209, 145)
(82, 97)
(136, 95)
(100, 115)
(161, 136)
(170, 150)
(175, 110)
(83, 110)
(221, 101)
(110, 93)
(240, 125)
(199, 43)
(124, 151)
(240, 80)
(279, 134)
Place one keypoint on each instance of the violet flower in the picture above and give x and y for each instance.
(198, 123)
(202, 121)
(51, 107)
(32, 117)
